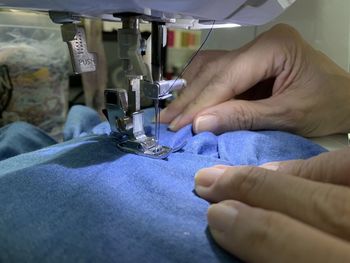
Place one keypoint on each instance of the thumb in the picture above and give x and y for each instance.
(243, 115)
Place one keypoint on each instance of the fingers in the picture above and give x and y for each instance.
(257, 235)
(236, 77)
(331, 167)
(203, 57)
(244, 115)
(322, 205)
(242, 73)
(200, 71)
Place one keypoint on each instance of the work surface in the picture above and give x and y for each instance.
(85, 201)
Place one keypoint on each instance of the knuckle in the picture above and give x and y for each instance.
(333, 208)
(290, 118)
(211, 66)
(261, 235)
(281, 38)
(247, 181)
(242, 119)
(294, 167)
(283, 31)
(282, 27)
(309, 169)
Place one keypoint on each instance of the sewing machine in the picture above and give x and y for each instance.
(123, 109)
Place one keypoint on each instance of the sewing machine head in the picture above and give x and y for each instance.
(244, 12)
(123, 109)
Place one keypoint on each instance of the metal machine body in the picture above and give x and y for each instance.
(243, 12)
(123, 107)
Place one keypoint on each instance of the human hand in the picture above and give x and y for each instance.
(289, 86)
(294, 211)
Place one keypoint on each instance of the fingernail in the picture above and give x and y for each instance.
(174, 123)
(270, 166)
(221, 216)
(205, 123)
(206, 177)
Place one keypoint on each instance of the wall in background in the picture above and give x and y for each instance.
(229, 38)
(323, 23)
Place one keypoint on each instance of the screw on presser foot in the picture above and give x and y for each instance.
(129, 132)
(123, 104)
(147, 147)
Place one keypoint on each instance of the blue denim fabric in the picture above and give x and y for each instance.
(22, 137)
(85, 201)
(80, 121)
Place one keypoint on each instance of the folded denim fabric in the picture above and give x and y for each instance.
(85, 201)
(80, 121)
(21, 137)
